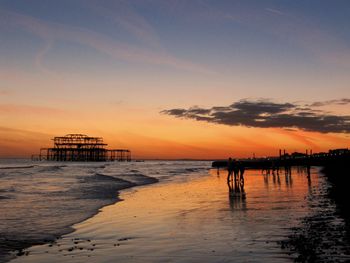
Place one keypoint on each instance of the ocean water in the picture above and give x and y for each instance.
(186, 215)
(40, 201)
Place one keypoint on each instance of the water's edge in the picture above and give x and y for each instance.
(16, 247)
(318, 238)
(319, 235)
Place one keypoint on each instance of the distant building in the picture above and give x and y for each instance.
(339, 151)
(81, 148)
(298, 155)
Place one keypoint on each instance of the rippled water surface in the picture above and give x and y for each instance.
(39, 201)
(189, 216)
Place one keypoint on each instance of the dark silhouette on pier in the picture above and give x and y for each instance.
(286, 161)
(335, 162)
(316, 239)
(81, 148)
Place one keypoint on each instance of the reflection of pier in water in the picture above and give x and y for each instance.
(275, 166)
(278, 170)
(243, 193)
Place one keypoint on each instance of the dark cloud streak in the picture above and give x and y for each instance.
(328, 102)
(267, 114)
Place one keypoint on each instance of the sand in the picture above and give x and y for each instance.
(192, 220)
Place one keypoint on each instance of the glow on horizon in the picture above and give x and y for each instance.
(111, 72)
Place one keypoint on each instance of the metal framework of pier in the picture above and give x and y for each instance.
(81, 148)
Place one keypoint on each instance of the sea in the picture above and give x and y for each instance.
(165, 211)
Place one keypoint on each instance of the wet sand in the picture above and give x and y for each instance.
(324, 236)
(39, 203)
(192, 221)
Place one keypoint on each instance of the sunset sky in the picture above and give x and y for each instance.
(178, 78)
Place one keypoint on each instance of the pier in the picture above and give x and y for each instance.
(81, 148)
(333, 160)
(286, 161)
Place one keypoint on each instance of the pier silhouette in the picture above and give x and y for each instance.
(333, 160)
(81, 148)
(286, 161)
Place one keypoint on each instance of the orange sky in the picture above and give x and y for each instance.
(109, 68)
(157, 136)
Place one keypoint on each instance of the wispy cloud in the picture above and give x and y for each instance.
(275, 11)
(21, 143)
(124, 15)
(267, 114)
(298, 30)
(4, 92)
(23, 110)
(39, 60)
(102, 43)
(285, 26)
(344, 101)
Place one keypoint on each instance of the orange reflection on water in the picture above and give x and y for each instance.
(196, 218)
(206, 196)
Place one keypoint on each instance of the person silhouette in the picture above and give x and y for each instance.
(241, 171)
(236, 165)
(230, 169)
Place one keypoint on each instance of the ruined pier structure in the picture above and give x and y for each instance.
(81, 148)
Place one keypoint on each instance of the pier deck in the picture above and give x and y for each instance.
(332, 158)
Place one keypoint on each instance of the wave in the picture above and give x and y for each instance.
(103, 186)
(98, 177)
(57, 211)
(17, 167)
(53, 168)
(138, 178)
(187, 170)
(8, 190)
(65, 194)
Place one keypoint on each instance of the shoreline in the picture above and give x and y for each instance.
(317, 239)
(130, 229)
(15, 247)
(185, 219)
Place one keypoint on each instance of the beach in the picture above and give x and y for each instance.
(40, 201)
(189, 216)
(174, 131)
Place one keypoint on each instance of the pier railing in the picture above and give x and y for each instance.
(317, 159)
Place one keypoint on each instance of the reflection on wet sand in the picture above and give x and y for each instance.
(237, 199)
(322, 235)
(197, 220)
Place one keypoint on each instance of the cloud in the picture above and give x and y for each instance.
(116, 49)
(39, 60)
(329, 102)
(303, 32)
(264, 113)
(21, 143)
(4, 92)
(125, 16)
(24, 110)
(275, 11)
